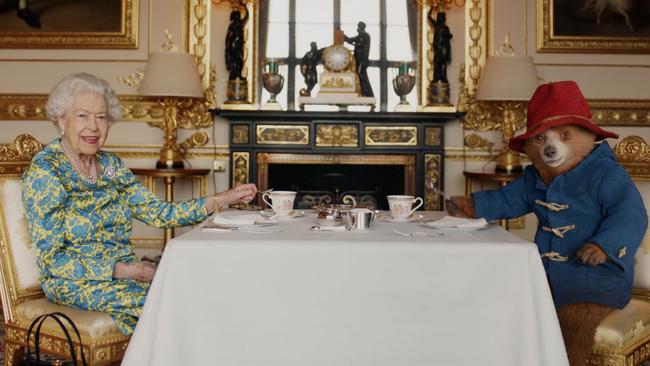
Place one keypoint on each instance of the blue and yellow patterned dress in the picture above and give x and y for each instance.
(80, 229)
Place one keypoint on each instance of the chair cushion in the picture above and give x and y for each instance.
(20, 243)
(625, 325)
(642, 264)
(91, 324)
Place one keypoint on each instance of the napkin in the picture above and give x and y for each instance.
(237, 218)
(459, 222)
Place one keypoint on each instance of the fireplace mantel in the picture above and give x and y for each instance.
(256, 135)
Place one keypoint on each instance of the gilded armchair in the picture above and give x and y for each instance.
(22, 298)
(623, 337)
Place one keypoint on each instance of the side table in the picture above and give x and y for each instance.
(478, 176)
(168, 176)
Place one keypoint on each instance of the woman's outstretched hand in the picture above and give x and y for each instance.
(241, 193)
(139, 271)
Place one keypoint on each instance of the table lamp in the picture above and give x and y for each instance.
(173, 77)
(508, 81)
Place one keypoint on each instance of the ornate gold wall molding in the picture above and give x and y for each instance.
(609, 112)
(31, 107)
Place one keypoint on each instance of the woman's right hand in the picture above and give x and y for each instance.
(139, 271)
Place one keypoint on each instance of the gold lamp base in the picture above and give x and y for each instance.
(170, 159)
(177, 111)
(508, 162)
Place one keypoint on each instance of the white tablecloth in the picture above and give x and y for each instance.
(348, 298)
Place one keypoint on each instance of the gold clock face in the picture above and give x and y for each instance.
(337, 58)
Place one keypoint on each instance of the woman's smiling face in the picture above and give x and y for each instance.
(85, 123)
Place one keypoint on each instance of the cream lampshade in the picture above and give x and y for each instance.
(173, 77)
(510, 81)
(171, 74)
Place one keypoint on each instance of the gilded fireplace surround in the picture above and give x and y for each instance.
(412, 140)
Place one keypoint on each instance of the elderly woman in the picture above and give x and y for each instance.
(80, 201)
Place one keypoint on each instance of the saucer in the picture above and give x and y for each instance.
(389, 218)
(291, 215)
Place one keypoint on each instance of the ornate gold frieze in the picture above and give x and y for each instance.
(282, 134)
(620, 112)
(337, 135)
(432, 136)
(474, 141)
(31, 107)
(391, 135)
(240, 168)
(432, 174)
(240, 134)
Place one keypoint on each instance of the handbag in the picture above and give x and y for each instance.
(34, 358)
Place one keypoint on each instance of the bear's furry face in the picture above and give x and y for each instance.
(559, 149)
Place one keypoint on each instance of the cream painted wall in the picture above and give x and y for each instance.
(36, 71)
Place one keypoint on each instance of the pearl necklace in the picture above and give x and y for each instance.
(90, 178)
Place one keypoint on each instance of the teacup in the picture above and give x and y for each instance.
(401, 206)
(281, 201)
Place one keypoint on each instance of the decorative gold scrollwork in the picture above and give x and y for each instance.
(240, 168)
(22, 149)
(240, 134)
(282, 134)
(432, 173)
(391, 136)
(337, 135)
(432, 136)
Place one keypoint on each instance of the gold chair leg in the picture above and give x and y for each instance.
(13, 354)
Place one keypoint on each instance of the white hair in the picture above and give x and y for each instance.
(64, 91)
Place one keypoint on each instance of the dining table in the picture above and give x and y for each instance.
(401, 293)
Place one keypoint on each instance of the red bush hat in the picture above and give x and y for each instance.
(557, 104)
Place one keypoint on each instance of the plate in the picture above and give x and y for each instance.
(239, 219)
(329, 222)
(389, 218)
(292, 215)
(445, 225)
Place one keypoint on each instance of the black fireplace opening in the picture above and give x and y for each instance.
(327, 183)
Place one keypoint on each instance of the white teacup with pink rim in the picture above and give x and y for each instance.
(281, 201)
(401, 206)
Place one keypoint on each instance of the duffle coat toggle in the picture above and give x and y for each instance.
(559, 231)
(552, 206)
(555, 256)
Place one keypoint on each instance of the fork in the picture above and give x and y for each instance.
(418, 233)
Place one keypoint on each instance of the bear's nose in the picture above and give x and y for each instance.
(550, 151)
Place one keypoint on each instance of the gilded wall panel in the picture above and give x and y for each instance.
(391, 135)
(240, 134)
(432, 136)
(282, 134)
(337, 135)
(240, 168)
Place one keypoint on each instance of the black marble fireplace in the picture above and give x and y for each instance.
(324, 155)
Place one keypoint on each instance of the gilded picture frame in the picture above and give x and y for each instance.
(583, 27)
(120, 31)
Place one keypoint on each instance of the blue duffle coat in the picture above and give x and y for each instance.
(594, 202)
